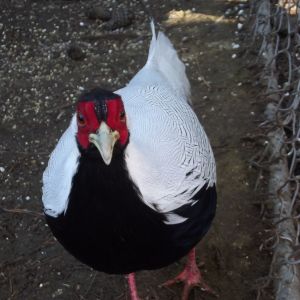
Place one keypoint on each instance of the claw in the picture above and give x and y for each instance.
(191, 277)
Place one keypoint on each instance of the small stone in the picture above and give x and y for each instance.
(235, 46)
(57, 293)
(121, 17)
(242, 19)
(2, 169)
(99, 12)
(75, 52)
(184, 39)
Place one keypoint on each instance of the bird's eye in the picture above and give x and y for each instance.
(81, 120)
(122, 116)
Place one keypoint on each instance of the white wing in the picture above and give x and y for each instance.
(169, 156)
(57, 178)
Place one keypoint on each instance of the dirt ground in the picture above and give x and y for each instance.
(38, 87)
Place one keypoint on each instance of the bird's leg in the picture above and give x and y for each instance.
(132, 287)
(191, 277)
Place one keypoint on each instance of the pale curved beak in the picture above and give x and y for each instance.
(104, 139)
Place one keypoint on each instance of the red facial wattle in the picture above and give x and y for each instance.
(86, 110)
(116, 119)
(88, 122)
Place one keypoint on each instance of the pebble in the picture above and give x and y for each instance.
(57, 293)
(75, 52)
(184, 39)
(2, 169)
(235, 46)
(239, 26)
(121, 17)
(242, 19)
(99, 12)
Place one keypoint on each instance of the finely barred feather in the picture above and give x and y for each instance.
(169, 152)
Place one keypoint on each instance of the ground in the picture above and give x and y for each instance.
(39, 86)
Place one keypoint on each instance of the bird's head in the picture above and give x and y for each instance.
(101, 122)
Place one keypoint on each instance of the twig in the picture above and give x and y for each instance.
(91, 284)
(21, 211)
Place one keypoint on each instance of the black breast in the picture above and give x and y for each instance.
(109, 228)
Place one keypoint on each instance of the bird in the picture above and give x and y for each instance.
(131, 183)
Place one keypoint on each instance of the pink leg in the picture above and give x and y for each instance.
(191, 277)
(132, 287)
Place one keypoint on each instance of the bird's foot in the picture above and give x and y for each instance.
(190, 277)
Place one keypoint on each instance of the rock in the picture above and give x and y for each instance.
(75, 52)
(99, 12)
(121, 17)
